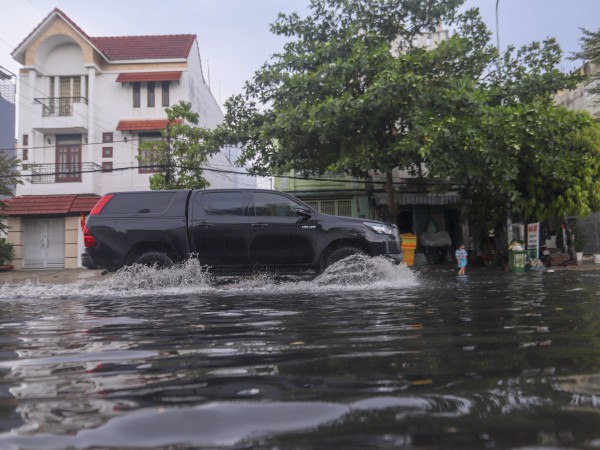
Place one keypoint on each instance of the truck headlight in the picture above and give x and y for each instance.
(380, 228)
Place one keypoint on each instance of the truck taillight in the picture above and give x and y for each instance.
(88, 239)
(101, 204)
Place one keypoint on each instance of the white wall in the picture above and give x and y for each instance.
(211, 115)
(108, 103)
(64, 60)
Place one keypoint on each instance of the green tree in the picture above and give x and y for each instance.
(9, 175)
(352, 93)
(516, 150)
(590, 43)
(346, 95)
(182, 152)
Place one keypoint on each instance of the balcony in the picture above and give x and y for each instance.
(60, 173)
(61, 115)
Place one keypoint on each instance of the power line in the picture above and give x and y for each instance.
(124, 140)
(219, 171)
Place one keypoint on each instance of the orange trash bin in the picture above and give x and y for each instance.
(409, 245)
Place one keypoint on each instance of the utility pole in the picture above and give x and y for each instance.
(497, 29)
(509, 230)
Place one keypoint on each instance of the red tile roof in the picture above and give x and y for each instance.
(148, 76)
(143, 125)
(28, 205)
(117, 48)
(145, 47)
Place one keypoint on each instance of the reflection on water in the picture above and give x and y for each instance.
(368, 355)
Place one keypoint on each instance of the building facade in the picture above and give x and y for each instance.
(85, 105)
(8, 91)
(581, 99)
(330, 194)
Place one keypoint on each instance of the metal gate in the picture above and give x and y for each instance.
(589, 231)
(44, 241)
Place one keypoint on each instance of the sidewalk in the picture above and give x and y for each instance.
(65, 276)
(50, 276)
(586, 265)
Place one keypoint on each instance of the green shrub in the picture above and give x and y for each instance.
(7, 252)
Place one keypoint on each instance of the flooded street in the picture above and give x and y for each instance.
(370, 355)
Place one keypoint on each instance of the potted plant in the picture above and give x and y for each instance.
(7, 252)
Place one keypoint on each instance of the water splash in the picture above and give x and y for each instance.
(361, 270)
(190, 277)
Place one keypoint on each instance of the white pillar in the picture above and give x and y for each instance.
(36, 110)
(56, 88)
(91, 120)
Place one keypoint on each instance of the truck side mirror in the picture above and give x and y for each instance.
(304, 213)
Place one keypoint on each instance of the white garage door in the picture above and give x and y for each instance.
(44, 241)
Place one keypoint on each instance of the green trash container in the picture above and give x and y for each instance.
(517, 260)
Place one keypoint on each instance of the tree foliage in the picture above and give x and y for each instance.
(182, 152)
(9, 175)
(352, 93)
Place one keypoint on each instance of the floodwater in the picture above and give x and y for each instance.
(366, 356)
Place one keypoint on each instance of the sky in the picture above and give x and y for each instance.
(234, 36)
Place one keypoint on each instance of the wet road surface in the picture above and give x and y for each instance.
(369, 355)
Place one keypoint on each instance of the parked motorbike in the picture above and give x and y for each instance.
(545, 256)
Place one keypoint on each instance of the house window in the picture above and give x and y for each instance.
(68, 158)
(335, 207)
(327, 207)
(70, 92)
(107, 152)
(25, 154)
(150, 94)
(25, 140)
(136, 94)
(344, 208)
(107, 166)
(107, 137)
(165, 93)
(148, 159)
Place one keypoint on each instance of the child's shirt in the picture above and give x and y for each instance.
(461, 254)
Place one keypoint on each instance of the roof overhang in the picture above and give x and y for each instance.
(129, 77)
(44, 205)
(18, 53)
(143, 125)
(61, 130)
(423, 198)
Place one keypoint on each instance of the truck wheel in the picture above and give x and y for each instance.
(158, 259)
(340, 253)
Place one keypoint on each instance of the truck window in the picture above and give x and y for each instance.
(222, 204)
(139, 203)
(267, 204)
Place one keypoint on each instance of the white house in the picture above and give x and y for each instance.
(85, 103)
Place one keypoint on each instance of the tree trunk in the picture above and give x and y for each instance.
(391, 198)
(168, 160)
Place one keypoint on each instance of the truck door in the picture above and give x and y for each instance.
(278, 236)
(219, 227)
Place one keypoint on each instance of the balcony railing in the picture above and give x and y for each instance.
(59, 106)
(60, 173)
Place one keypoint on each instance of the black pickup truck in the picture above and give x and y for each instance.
(232, 230)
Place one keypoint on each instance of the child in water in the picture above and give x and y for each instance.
(461, 259)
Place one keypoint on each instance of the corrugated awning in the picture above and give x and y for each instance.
(423, 198)
(143, 125)
(129, 77)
